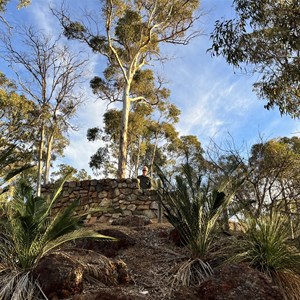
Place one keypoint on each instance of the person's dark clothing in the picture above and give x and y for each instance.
(145, 182)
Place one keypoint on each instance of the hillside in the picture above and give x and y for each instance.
(140, 266)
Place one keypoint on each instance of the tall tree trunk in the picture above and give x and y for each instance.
(40, 160)
(136, 171)
(123, 133)
(48, 158)
(154, 152)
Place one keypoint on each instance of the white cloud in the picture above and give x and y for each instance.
(214, 100)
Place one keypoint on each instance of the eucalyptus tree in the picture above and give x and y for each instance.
(22, 3)
(106, 156)
(162, 130)
(17, 121)
(47, 72)
(150, 131)
(129, 34)
(73, 174)
(3, 4)
(16, 114)
(271, 177)
(263, 38)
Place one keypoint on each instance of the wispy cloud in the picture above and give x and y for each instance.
(214, 100)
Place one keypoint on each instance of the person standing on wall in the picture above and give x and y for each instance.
(145, 181)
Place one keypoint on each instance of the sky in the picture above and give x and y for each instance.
(216, 102)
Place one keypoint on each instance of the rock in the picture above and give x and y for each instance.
(59, 276)
(132, 221)
(238, 282)
(109, 294)
(105, 247)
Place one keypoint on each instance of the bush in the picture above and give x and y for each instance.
(194, 210)
(266, 247)
(28, 233)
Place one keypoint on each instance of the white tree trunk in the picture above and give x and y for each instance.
(48, 159)
(123, 133)
(40, 161)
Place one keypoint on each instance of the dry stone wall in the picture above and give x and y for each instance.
(117, 197)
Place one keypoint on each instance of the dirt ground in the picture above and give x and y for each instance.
(141, 265)
(149, 262)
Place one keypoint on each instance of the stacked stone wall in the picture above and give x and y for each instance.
(116, 197)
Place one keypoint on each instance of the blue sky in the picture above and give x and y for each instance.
(216, 101)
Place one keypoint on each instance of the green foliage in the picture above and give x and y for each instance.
(22, 3)
(28, 233)
(265, 246)
(265, 34)
(194, 209)
(73, 173)
(10, 166)
(134, 31)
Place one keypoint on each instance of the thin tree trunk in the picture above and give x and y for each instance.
(48, 158)
(153, 155)
(138, 158)
(123, 134)
(40, 161)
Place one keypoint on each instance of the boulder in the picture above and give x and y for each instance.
(107, 247)
(59, 276)
(238, 282)
(132, 221)
(108, 294)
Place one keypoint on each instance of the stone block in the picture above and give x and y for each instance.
(114, 184)
(65, 193)
(85, 183)
(138, 192)
(103, 219)
(133, 197)
(131, 207)
(72, 184)
(154, 205)
(114, 193)
(123, 206)
(102, 194)
(93, 194)
(143, 207)
(93, 182)
(99, 187)
(116, 216)
(127, 213)
(122, 197)
(106, 202)
(150, 214)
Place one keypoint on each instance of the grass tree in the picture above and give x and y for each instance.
(266, 246)
(28, 232)
(194, 210)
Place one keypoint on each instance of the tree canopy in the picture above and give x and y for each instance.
(130, 39)
(264, 38)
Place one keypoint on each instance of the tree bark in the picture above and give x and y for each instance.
(40, 161)
(123, 133)
(48, 158)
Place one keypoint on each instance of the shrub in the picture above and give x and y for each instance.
(266, 246)
(28, 233)
(194, 210)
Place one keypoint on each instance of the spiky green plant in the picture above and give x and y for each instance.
(266, 246)
(28, 233)
(194, 210)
